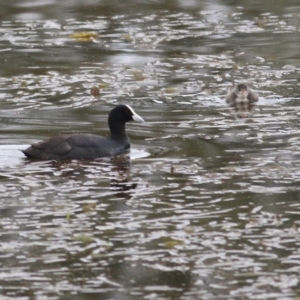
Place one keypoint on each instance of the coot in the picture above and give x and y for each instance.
(88, 146)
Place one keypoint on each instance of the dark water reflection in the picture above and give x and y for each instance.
(206, 206)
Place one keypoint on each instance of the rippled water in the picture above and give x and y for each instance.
(206, 206)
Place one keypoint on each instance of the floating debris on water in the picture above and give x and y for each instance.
(84, 36)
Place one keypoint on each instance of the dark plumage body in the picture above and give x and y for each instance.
(88, 146)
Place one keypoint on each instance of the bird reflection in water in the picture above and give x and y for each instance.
(116, 169)
(242, 99)
(122, 183)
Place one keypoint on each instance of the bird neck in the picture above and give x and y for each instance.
(117, 130)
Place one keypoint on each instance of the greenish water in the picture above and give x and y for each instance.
(206, 206)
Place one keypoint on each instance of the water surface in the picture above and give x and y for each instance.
(206, 206)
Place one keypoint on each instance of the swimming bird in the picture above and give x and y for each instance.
(242, 98)
(88, 146)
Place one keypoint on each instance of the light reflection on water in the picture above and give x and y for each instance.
(206, 206)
